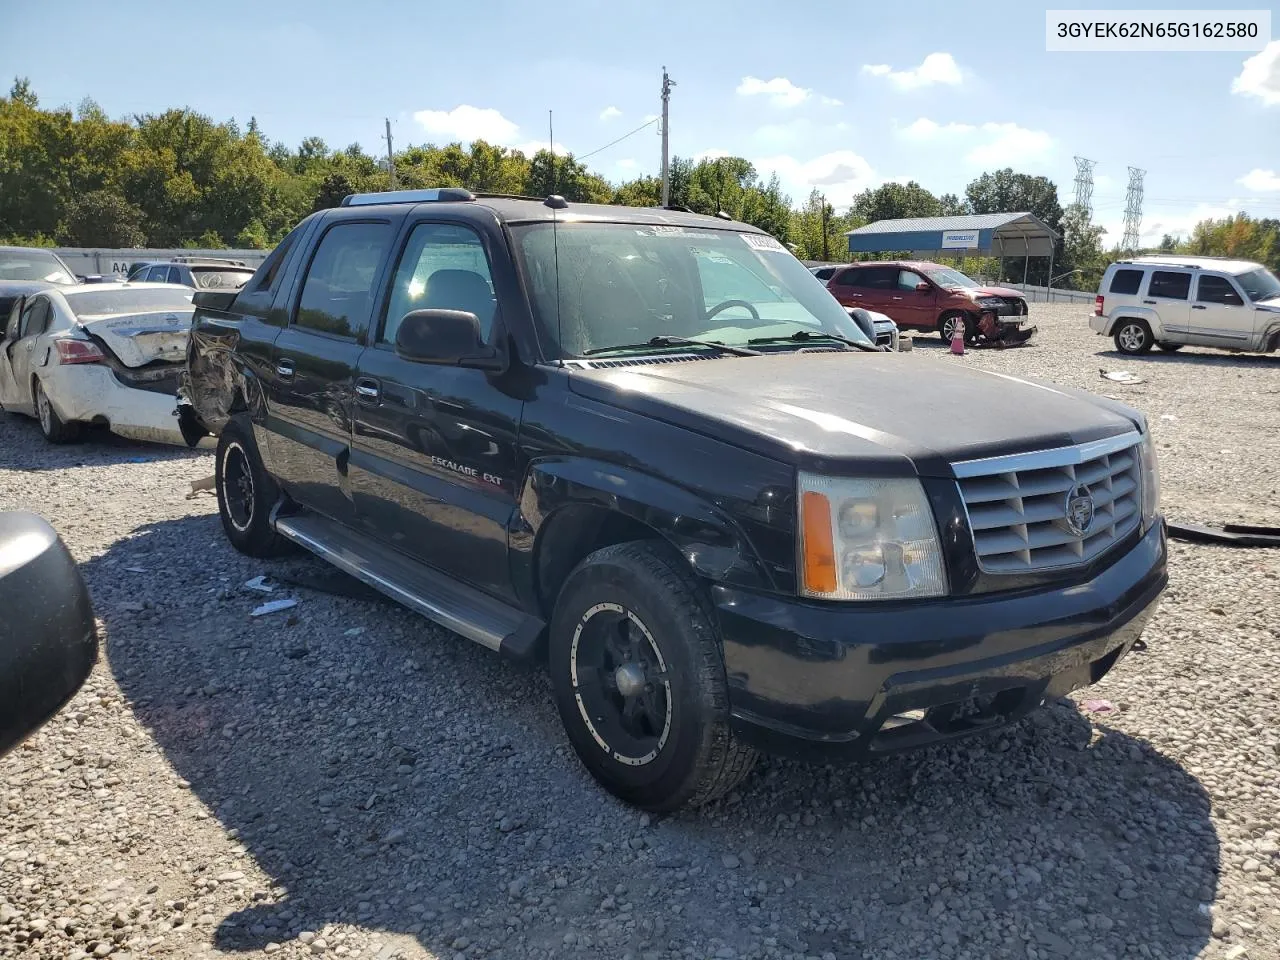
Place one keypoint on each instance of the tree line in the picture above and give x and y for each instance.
(180, 179)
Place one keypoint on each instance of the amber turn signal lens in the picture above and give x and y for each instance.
(817, 544)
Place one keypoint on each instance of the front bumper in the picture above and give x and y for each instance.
(830, 680)
(91, 393)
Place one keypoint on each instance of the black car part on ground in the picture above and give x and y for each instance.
(48, 635)
(1229, 535)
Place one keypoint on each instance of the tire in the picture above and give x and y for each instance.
(947, 322)
(51, 425)
(1133, 337)
(631, 615)
(1170, 347)
(246, 493)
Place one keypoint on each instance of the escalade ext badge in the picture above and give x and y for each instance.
(651, 531)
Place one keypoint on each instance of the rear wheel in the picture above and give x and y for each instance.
(51, 425)
(1133, 336)
(640, 682)
(246, 494)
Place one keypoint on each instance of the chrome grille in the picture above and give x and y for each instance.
(1018, 505)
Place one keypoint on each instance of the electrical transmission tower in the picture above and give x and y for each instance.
(1084, 184)
(1132, 210)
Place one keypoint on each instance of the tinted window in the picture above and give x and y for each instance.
(825, 273)
(443, 267)
(175, 275)
(269, 270)
(35, 317)
(1170, 286)
(337, 293)
(907, 280)
(1210, 289)
(157, 275)
(1126, 281)
(878, 278)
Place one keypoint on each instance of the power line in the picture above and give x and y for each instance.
(647, 123)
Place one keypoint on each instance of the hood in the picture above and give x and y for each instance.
(890, 413)
(1000, 292)
(140, 338)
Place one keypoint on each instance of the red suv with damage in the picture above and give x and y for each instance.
(928, 296)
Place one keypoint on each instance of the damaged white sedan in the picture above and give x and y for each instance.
(106, 354)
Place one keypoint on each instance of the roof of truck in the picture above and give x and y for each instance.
(534, 210)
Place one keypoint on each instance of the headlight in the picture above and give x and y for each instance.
(867, 540)
(991, 301)
(1150, 480)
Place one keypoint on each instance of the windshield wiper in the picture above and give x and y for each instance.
(805, 336)
(672, 341)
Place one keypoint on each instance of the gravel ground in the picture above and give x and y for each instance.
(344, 779)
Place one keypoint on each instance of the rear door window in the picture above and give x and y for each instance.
(1126, 282)
(337, 292)
(1169, 285)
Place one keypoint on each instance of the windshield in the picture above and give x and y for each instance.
(219, 279)
(625, 283)
(121, 300)
(946, 277)
(1260, 284)
(33, 265)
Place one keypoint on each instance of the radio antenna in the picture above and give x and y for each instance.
(551, 146)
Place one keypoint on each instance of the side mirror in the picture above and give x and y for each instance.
(445, 337)
(922, 287)
(48, 638)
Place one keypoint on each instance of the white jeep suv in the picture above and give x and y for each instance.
(1170, 301)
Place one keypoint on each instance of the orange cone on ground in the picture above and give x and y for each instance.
(957, 337)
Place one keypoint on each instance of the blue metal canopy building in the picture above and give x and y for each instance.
(984, 234)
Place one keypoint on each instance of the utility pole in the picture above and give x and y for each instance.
(667, 84)
(826, 253)
(1084, 185)
(1132, 211)
(391, 163)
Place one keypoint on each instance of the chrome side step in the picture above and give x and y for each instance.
(437, 596)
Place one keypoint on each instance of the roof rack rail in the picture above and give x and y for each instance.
(225, 260)
(434, 195)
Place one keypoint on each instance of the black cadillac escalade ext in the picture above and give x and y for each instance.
(649, 447)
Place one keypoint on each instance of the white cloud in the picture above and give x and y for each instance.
(1009, 145)
(779, 136)
(1180, 223)
(627, 164)
(1260, 181)
(781, 91)
(466, 123)
(831, 102)
(841, 175)
(610, 113)
(926, 129)
(1260, 75)
(936, 68)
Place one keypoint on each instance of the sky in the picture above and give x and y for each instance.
(835, 96)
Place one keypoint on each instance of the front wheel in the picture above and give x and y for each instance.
(246, 494)
(639, 679)
(1133, 337)
(947, 327)
(55, 430)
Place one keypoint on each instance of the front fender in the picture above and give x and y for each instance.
(714, 545)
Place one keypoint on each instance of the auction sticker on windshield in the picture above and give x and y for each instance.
(758, 241)
(664, 231)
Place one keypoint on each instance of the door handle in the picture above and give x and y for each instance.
(1152, 302)
(368, 389)
(1196, 306)
(284, 369)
